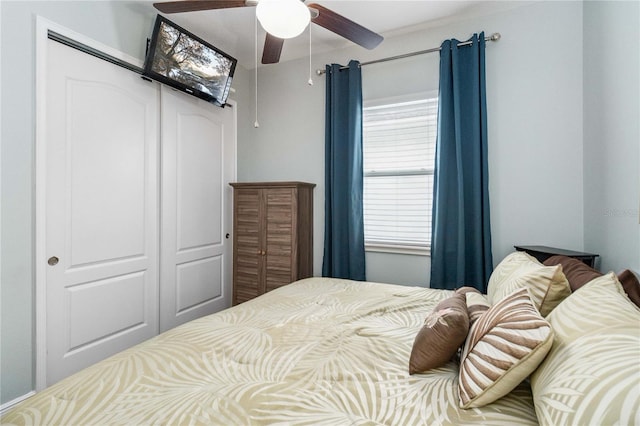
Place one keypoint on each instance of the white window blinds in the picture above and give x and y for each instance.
(399, 147)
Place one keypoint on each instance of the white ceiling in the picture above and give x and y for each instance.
(232, 30)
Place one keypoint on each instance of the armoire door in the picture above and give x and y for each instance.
(198, 162)
(248, 236)
(101, 231)
(281, 251)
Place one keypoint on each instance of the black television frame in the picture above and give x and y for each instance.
(148, 70)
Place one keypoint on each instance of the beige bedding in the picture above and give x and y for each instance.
(318, 351)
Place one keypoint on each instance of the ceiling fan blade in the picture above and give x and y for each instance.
(345, 27)
(194, 5)
(272, 49)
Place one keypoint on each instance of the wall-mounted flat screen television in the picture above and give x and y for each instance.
(186, 62)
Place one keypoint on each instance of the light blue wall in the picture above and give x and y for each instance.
(123, 25)
(534, 96)
(117, 24)
(540, 191)
(612, 133)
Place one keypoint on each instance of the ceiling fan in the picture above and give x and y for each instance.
(267, 9)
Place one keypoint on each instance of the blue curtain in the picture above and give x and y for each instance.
(344, 223)
(461, 234)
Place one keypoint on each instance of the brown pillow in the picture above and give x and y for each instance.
(477, 303)
(444, 331)
(631, 285)
(577, 272)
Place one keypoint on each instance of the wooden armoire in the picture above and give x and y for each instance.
(272, 236)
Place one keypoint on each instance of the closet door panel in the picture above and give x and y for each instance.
(100, 209)
(193, 282)
(195, 279)
(198, 181)
(106, 188)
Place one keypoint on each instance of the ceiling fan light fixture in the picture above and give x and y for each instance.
(283, 18)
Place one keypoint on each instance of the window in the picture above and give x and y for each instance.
(399, 142)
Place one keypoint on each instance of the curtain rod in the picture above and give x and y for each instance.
(492, 37)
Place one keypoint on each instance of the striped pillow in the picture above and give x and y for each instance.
(547, 284)
(503, 347)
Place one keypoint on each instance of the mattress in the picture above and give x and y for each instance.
(318, 351)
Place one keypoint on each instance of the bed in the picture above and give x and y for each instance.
(318, 351)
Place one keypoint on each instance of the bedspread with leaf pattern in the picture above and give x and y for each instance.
(316, 352)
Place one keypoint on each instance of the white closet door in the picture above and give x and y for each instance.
(101, 210)
(198, 162)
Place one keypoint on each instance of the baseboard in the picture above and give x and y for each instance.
(7, 405)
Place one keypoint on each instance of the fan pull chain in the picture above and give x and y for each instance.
(255, 33)
(310, 82)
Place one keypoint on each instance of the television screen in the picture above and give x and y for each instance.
(183, 60)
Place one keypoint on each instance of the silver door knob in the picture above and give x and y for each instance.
(53, 261)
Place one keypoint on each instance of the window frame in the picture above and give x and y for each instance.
(383, 247)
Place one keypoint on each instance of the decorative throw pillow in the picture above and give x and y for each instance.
(547, 284)
(477, 303)
(631, 285)
(592, 373)
(576, 271)
(444, 331)
(503, 347)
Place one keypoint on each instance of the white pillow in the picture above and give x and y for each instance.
(592, 373)
(547, 284)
